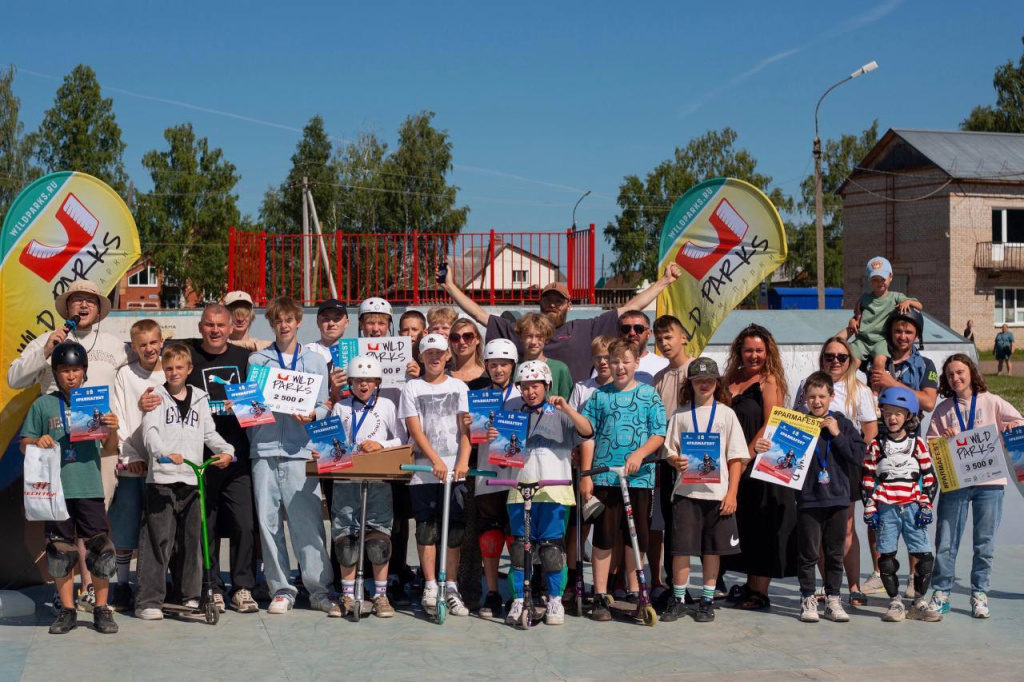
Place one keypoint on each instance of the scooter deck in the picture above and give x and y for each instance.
(182, 612)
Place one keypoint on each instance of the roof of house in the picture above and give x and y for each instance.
(473, 261)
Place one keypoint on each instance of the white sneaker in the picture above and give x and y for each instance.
(328, 606)
(429, 600)
(515, 612)
(979, 605)
(281, 603)
(192, 604)
(556, 612)
(873, 585)
(456, 607)
(834, 610)
(149, 614)
(896, 611)
(809, 609)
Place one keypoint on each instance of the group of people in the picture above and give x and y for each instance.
(594, 396)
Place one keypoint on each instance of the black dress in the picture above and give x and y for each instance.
(765, 513)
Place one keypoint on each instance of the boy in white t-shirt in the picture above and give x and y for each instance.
(332, 321)
(433, 407)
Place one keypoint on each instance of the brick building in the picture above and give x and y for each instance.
(947, 209)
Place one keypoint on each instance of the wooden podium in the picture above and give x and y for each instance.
(383, 465)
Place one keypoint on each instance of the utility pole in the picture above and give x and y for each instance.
(308, 201)
(305, 240)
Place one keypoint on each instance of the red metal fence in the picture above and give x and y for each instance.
(492, 267)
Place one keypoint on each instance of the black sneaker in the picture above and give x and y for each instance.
(676, 610)
(397, 594)
(600, 611)
(103, 620)
(705, 612)
(492, 606)
(121, 597)
(67, 620)
(633, 597)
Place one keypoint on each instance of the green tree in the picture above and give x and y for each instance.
(366, 182)
(635, 233)
(1007, 116)
(16, 169)
(80, 132)
(281, 211)
(183, 222)
(838, 159)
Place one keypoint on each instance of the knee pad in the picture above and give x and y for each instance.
(61, 557)
(378, 547)
(552, 555)
(428, 533)
(490, 542)
(456, 534)
(888, 567)
(923, 571)
(347, 549)
(517, 553)
(100, 556)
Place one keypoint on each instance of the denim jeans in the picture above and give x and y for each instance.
(281, 482)
(986, 503)
(898, 520)
(346, 508)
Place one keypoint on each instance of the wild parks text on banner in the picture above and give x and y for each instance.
(63, 227)
(727, 237)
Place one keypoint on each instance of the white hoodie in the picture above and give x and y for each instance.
(166, 433)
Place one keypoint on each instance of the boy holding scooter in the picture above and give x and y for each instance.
(628, 419)
(433, 407)
(174, 432)
(554, 429)
(371, 424)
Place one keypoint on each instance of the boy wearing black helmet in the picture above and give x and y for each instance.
(47, 425)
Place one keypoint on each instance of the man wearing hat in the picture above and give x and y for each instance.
(83, 304)
(571, 341)
(240, 306)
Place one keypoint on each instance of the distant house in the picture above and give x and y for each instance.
(517, 272)
(947, 209)
(143, 288)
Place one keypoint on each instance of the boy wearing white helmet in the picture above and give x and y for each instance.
(371, 423)
(554, 429)
(433, 407)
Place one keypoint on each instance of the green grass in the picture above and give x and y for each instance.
(986, 355)
(1009, 388)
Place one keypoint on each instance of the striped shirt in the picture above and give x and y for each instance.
(897, 472)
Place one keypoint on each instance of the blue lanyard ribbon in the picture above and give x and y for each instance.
(280, 358)
(970, 417)
(356, 425)
(506, 393)
(693, 416)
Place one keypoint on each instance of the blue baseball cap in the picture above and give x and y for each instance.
(879, 267)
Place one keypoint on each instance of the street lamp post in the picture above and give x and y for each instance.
(819, 228)
(585, 195)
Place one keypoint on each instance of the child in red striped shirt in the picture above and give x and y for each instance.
(898, 488)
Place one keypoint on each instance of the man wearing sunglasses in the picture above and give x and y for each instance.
(635, 327)
(571, 341)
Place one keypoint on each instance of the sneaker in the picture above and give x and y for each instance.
(347, 604)
(705, 612)
(456, 607)
(896, 611)
(149, 614)
(809, 609)
(397, 594)
(491, 606)
(281, 603)
(429, 600)
(556, 613)
(979, 605)
(676, 610)
(382, 607)
(600, 611)
(243, 602)
(261, 593)
(939, 602)
(120, 597)
(67, 620)
(632, 598)
(192, 604)
(873, 585)
(327, 605)
(834, 610)
(103, 620)
(515, 612)
(920, 611)
(87, 599)
(218, 599)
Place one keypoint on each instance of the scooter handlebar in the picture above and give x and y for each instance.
(505, 482)
(482, 474)
(649, 459)
(595, 471)
(417, 467)
(512, 483)
(554, 481)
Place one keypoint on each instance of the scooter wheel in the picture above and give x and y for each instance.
(357, 611)
(649, 615)
(579, 607)
(212, 613)
(441, 612)
(524, 619)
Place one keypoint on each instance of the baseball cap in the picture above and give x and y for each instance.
(702, 368)
(237, 297)
(558, 288)
(332, 304)
(879, 267)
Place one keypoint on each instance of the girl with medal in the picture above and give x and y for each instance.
(823, 504)
(371, 424)
(967, 405)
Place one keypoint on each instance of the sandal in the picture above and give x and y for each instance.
(755, 601)
(858, 599)
(738, 593)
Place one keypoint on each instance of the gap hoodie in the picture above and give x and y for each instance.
(286, 437)
(165, 433)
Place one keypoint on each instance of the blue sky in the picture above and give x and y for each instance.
(542, 100)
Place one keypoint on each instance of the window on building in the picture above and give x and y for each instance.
(146, 277)
(520, 276)
(1008, 226)
(1009, 306)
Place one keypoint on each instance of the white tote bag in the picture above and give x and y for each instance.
(44, 494)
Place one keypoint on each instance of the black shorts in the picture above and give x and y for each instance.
(491, 511)
(427, 500)
(611, 528)
(698, 528)
(87, 518)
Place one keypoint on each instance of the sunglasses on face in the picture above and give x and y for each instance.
(465, 337)
(841, 358)
(637, 328)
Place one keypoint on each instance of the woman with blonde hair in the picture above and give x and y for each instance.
(467, 361)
